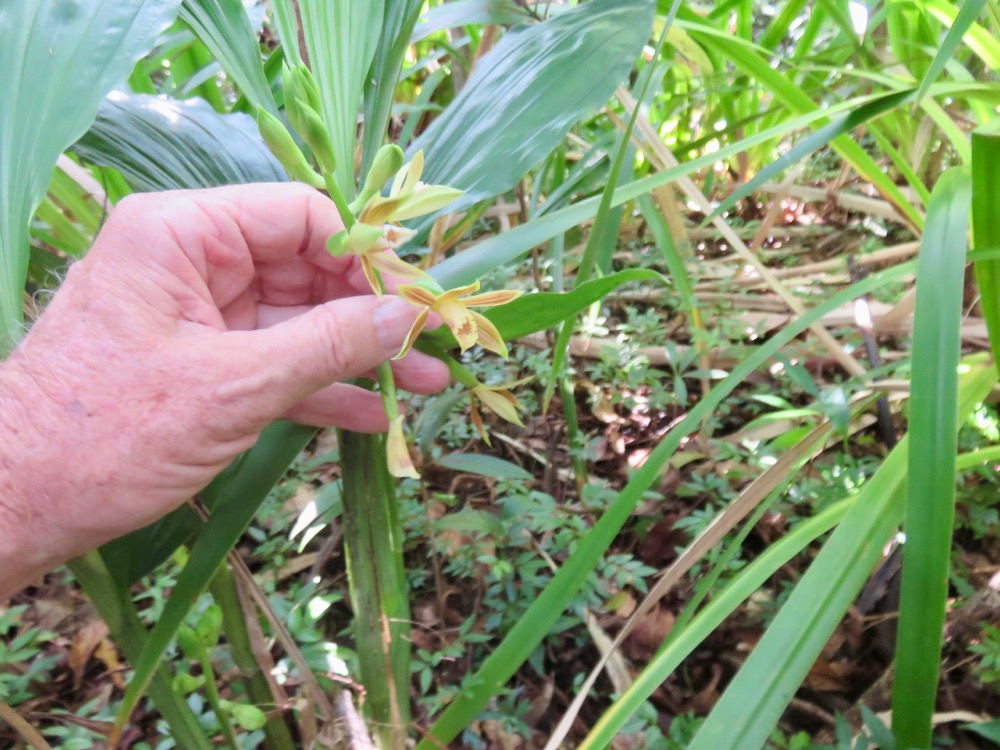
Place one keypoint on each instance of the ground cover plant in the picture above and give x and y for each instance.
(718, 466)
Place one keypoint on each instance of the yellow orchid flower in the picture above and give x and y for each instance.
(499, 400)
(468, 326)
(375, 246)
(408, 197)
(397, 452)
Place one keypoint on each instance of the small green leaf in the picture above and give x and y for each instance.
(484, 465)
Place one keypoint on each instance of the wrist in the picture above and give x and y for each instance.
(28, 474)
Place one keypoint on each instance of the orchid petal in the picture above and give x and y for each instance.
(413, 174)
(459, 319)
(477, 421)
(500, 402)
(411, 337)
(372, 275)
(460, 291)
(488, 335)
(424, 200)
(417, 295)
(389, 263)
(493, 299)
(397, 453)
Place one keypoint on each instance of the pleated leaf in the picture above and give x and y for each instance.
(159, 143)
(58, 61)
(527, 92)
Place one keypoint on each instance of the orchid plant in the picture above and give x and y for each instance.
(372, 232)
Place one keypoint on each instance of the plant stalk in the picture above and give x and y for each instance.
(373, 541)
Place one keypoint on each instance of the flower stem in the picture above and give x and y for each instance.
(339, 201)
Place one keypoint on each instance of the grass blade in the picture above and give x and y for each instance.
(930, 507)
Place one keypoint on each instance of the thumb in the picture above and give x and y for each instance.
(331, 342)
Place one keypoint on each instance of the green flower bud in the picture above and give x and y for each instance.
(315, 134)
(386, 163)
(284, 147)
(307, 84)
(292, 91)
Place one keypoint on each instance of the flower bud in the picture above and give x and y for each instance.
(386, 163)
(315, 134)
(285, 149)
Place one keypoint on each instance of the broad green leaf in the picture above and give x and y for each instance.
(525, 636)
(159, 143)
(232, 500)
(526, 93)
(341, 39)
(484, 465)
(223, 26)
(930, 504)
(58, 61)
(470, 519)
(466, 12)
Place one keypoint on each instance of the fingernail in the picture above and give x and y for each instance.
(393, 320)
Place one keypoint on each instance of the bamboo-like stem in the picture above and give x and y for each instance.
(374, 551)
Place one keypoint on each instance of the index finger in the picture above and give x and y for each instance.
(223, 234)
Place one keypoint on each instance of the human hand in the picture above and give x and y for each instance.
(197, 318)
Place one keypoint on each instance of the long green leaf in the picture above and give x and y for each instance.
(232, 499)
(223, 26)
(525, 636)
(930, 506)
(58, 61)
(527, 92)
(967, 15)
(162, 144)
(380, 85)
(746, 58)
(749, 709)
(986, 225)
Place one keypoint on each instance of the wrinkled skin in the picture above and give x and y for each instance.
(197, 318)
